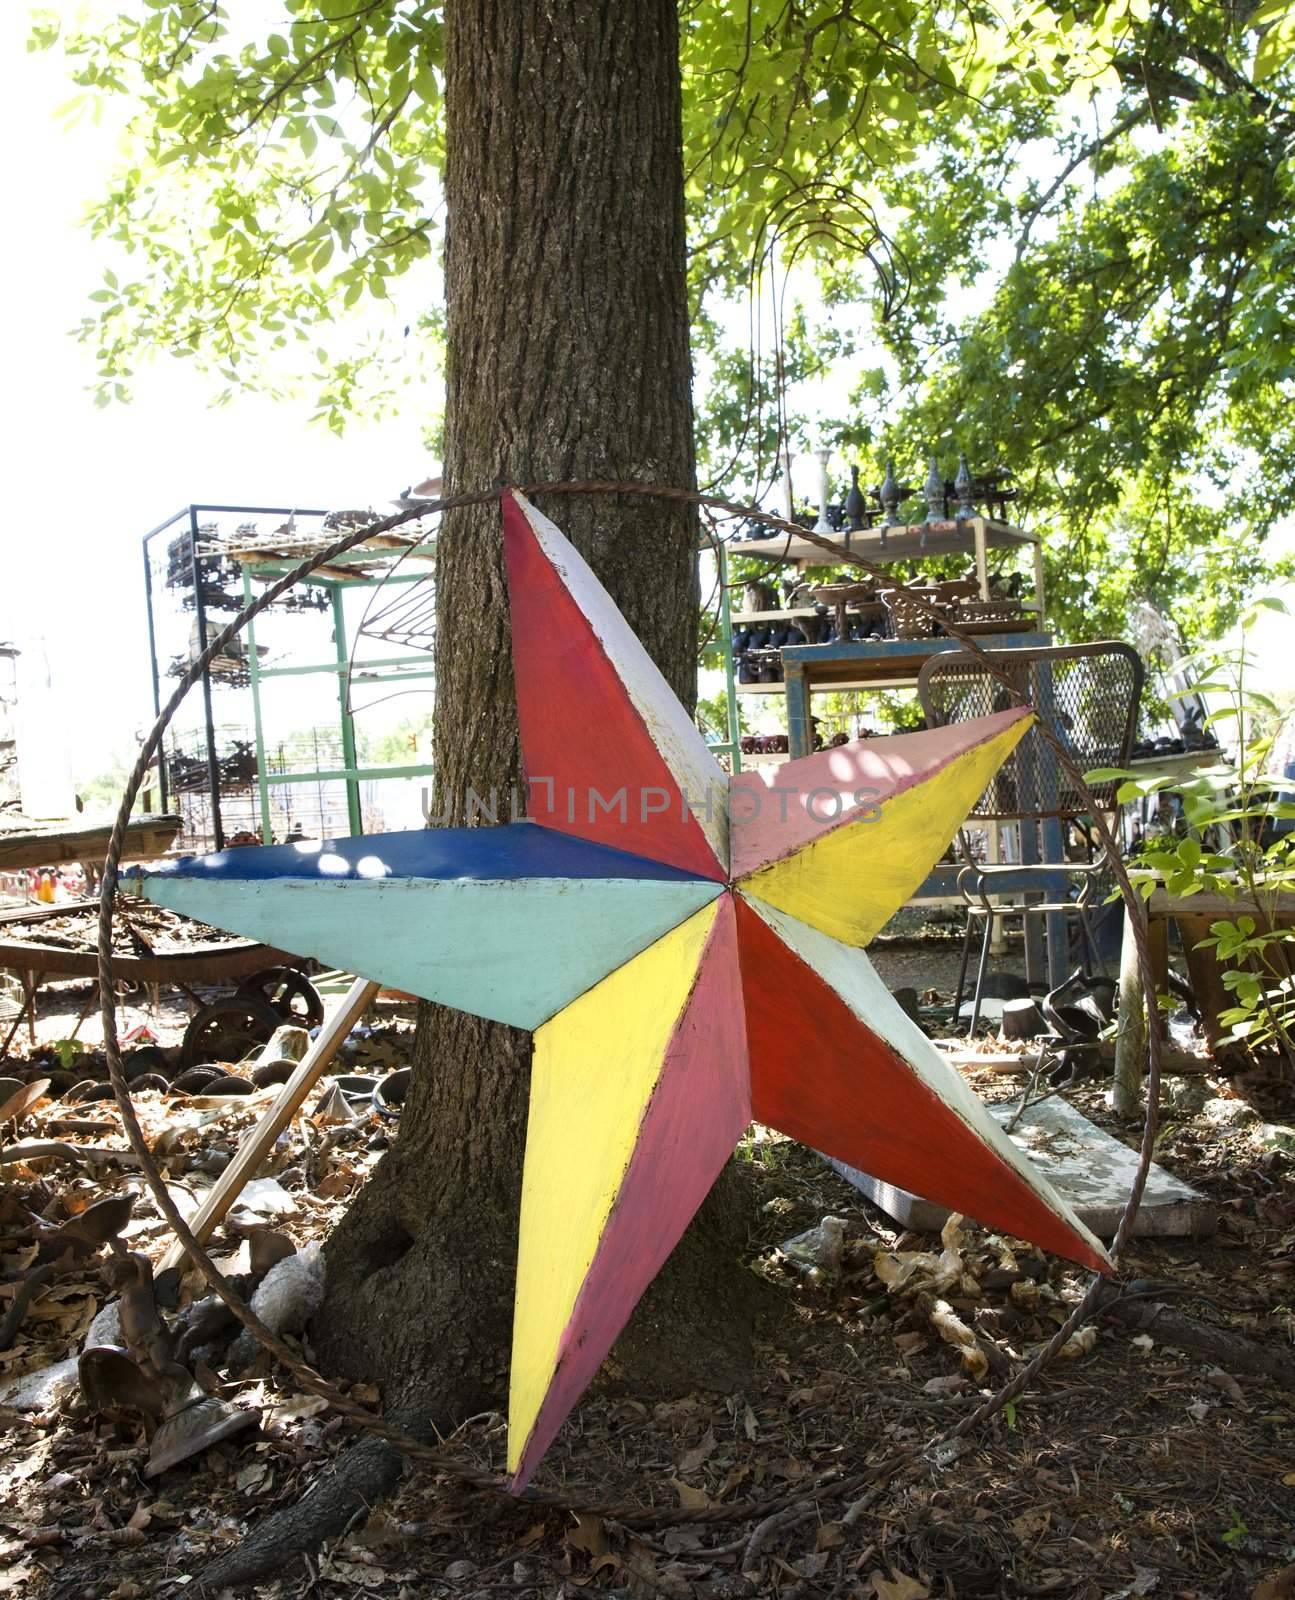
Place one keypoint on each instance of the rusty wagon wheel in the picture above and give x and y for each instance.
(288, 992)
(228, 1029)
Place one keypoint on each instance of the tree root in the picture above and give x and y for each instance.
(1135, 1306)
(367, 1473)
(36, 1279)
(78, 1154)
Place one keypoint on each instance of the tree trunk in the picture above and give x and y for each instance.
(568, 359)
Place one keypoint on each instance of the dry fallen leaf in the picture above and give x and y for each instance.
(1025, 1295)
(353, 1573)
(295, 1408)
(953, 1330)
(1030, 1523)
(900, 1587)
(701, 1452)
(1226, 1384)
(1080, 1343)
(690, 1499)
(588, 1535)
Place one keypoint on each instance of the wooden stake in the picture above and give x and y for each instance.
(258, 1141)
(1131, 1040)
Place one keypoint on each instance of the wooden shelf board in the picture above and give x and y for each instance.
(795, 615)
(53, 843)
(819, 685)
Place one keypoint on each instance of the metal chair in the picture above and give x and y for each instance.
(1088, 695)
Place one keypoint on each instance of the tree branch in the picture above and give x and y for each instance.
(1094, 147)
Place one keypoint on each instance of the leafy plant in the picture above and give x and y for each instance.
(68, 1051)
(1236, 1531)
(1236, 839)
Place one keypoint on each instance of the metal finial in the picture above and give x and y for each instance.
(855, 504)
(889, 497)
(966, 506)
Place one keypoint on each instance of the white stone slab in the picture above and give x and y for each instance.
(41, 1390)
(1089, 1168)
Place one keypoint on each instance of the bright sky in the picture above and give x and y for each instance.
(84, 484)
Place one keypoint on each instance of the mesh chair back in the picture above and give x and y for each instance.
(1087, 693)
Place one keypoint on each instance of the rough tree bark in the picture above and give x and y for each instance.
(568, 359)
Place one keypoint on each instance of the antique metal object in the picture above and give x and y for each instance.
(855, 504)
(964, 490)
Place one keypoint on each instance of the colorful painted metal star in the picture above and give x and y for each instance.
(687, 948)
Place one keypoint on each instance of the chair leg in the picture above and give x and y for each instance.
(980, 975)
(962, 970)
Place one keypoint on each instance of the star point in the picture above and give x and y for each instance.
(687, 949)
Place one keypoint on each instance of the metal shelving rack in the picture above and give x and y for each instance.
(972, 536)
(862, 665)
(206, 561)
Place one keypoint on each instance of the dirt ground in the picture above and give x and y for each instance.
(1134, 1467)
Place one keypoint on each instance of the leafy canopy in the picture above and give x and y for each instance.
(1060, 236)
(275, 179)
(1132, 359)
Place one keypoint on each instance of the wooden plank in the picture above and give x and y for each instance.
(48, 846)
(1205, 974)
(698, 1110)
(610, 754)
(199, 963)
(1218, 906)
(775, 812)
(34, 912)
(851, 880)
(259, 1140)
(515, 949)
(595, 1068)
(794, 614)
(837, 1064)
